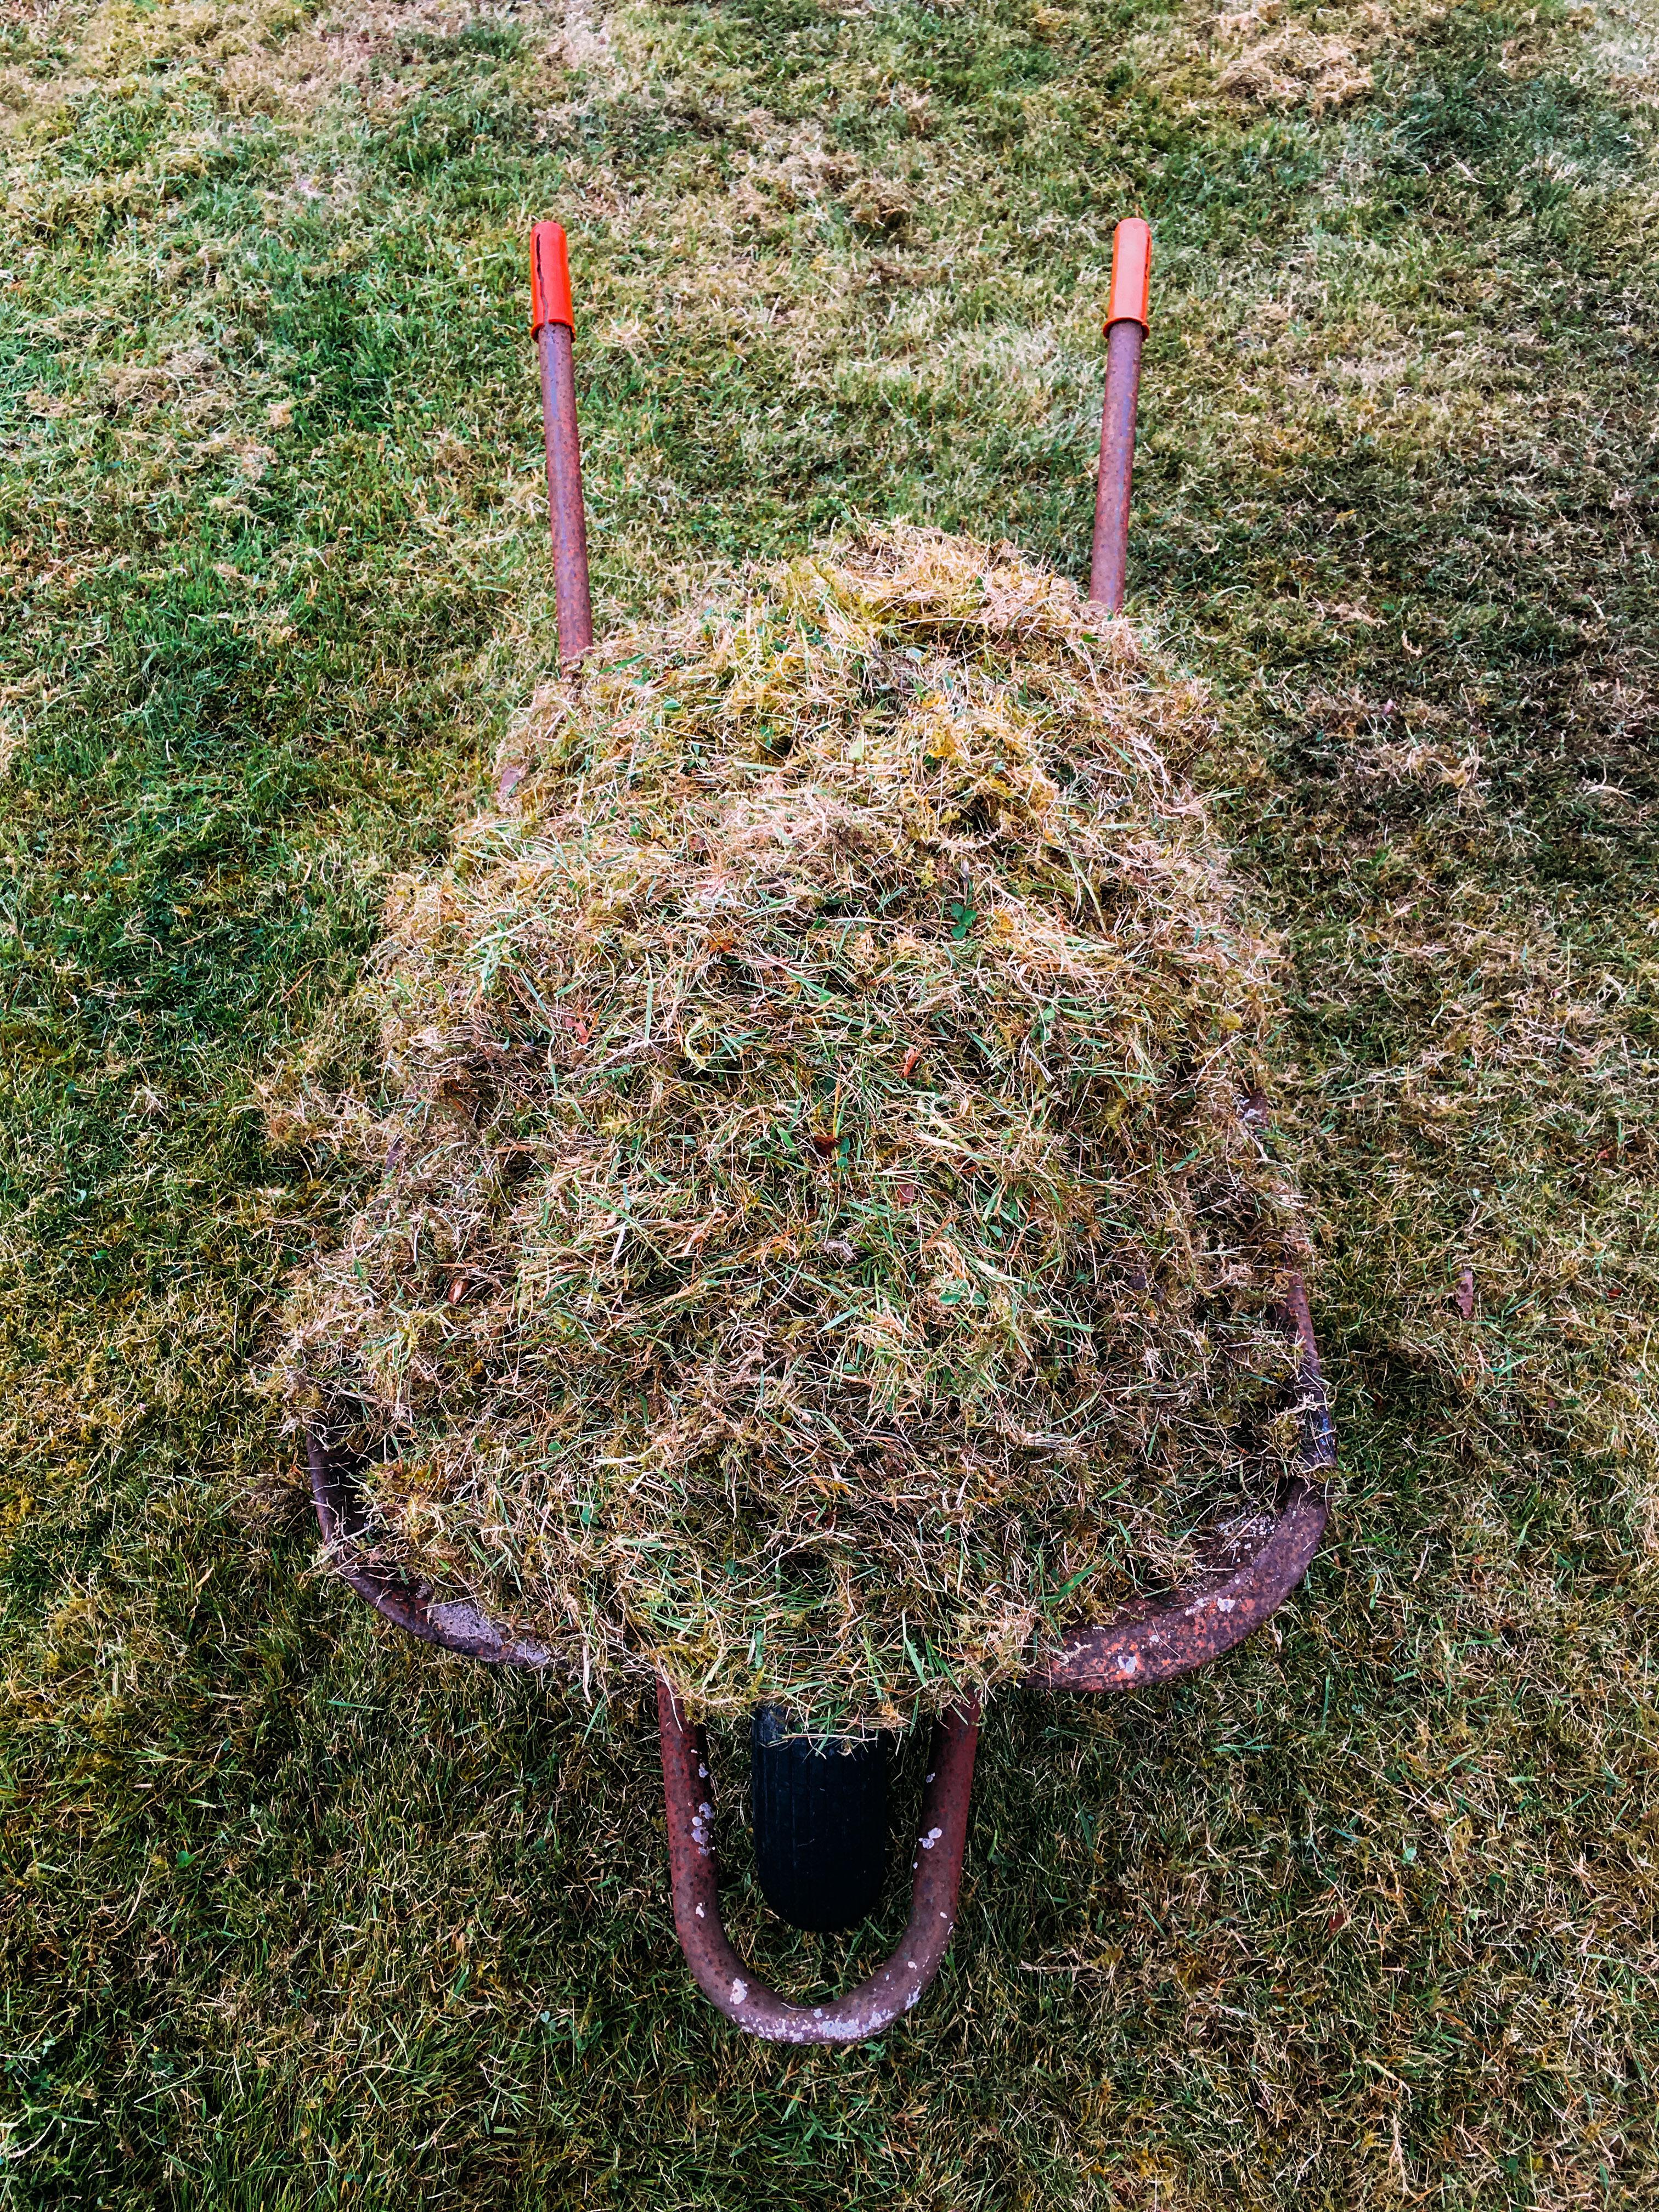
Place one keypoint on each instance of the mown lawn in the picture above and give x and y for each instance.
(297, 1914)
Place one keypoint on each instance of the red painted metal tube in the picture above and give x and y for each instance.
(549, 278)
(1130, 298)
(552, 320)
(894, 1988)
(1126, 334)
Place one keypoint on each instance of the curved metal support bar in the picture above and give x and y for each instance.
(1173, 1638)
(1156, 1641)
(455, 1625)
(722, 1976)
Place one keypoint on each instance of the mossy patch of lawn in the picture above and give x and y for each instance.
(297, 1914)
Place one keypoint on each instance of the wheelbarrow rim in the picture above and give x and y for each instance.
(1146, 1641)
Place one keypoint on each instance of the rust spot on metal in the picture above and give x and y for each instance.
(1194, 1627)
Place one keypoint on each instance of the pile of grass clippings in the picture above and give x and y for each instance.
(824, 1236)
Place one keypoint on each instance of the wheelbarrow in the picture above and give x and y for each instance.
(820, 1809)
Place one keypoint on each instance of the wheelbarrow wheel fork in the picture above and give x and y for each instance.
(1143, 1645)
(725, 1980)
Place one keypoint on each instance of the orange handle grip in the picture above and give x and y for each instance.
(1131, 273)
(549, 279)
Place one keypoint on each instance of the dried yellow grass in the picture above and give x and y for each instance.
(824, 1238)
(1319, 59)
(279, 58)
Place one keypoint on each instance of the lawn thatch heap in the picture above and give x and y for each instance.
(824, 1239)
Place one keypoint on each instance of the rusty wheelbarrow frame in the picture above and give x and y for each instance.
(1149, 1641)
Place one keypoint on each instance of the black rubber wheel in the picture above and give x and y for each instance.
(820, 1822)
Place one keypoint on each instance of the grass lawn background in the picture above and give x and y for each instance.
(297, 1913)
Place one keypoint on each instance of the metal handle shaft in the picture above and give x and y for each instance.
(552, 320)
(1109, 569)
(1126, 334)
(564, 492)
